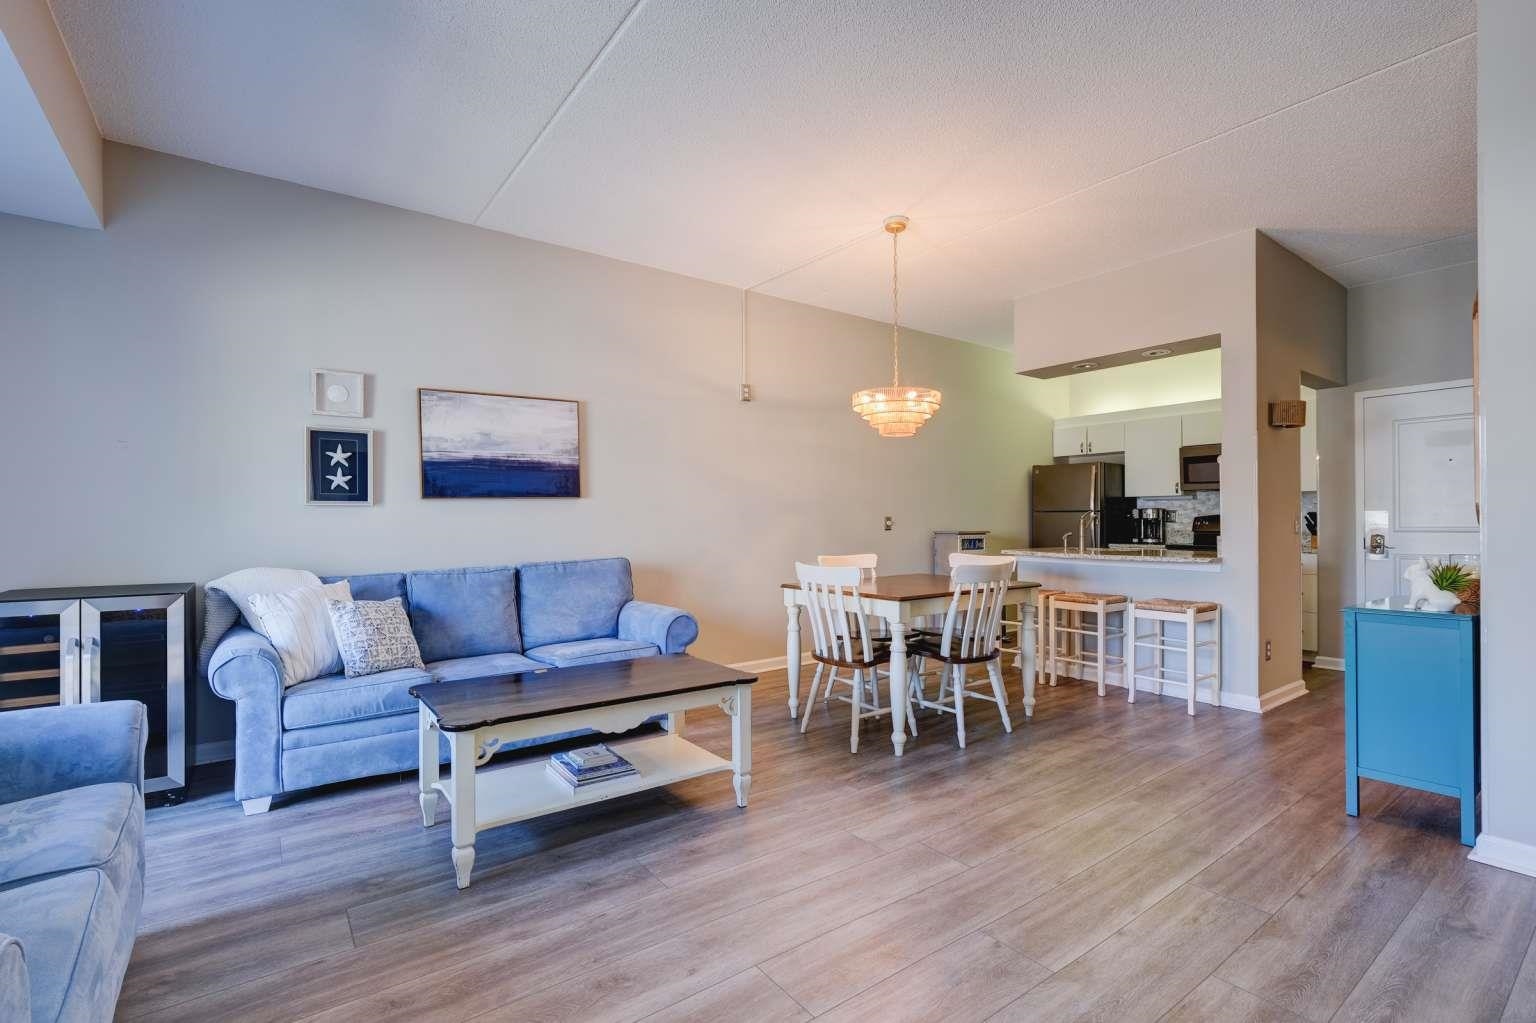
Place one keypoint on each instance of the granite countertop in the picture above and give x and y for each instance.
(1167, 558)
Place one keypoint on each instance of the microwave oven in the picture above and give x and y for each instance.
(1199, 468)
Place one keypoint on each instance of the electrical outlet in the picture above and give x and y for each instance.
(1269, 650)
(746, 392)
(890, 523)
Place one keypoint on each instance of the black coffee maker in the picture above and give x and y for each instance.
(1148, 526)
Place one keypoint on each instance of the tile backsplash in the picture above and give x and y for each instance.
(1181, 523)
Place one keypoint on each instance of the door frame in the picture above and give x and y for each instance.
(1359, 498)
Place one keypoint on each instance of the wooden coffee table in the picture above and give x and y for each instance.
(479, 715)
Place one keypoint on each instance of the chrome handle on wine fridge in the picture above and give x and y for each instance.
(90, 670)
(69, 692)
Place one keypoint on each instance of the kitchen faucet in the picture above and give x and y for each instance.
(1082, 536)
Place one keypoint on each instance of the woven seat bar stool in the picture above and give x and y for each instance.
(1192, 614)
(1075, 627)
(1045, 642)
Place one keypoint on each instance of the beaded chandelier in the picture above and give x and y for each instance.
(901, 409)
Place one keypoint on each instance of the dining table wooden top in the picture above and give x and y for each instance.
(913, 586)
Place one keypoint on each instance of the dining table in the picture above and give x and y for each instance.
(901, 600)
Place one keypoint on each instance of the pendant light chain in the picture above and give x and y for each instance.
(895, 315)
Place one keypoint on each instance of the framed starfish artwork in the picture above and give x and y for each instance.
(340, 467)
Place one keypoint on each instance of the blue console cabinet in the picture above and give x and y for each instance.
(1411, 703)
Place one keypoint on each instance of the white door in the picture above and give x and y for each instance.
(1414, 482)
(1152, 457)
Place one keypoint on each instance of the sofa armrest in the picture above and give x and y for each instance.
(671, 629)
(49, 749)
(245, 668)
(15, 988)
(245, 664)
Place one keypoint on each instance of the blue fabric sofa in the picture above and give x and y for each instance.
(71, 858)
(468, 622)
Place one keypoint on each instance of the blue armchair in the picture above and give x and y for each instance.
(71, 857)
(468, 622)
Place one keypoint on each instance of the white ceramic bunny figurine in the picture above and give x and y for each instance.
(1424, 594)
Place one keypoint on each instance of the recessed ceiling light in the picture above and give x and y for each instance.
(1086, 365)
(1156, 353)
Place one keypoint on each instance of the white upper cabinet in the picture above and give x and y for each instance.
(1202, 428)
(1069, 440)
(1097, 439)
(1104, 438)
(1152, 456)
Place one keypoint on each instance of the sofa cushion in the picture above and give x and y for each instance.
(77, 932)
(562, 601)
(592, 651)
(480, 667)
(92, 826)
(336, 698)
(346, 731)
(464, 612)
(374, 586)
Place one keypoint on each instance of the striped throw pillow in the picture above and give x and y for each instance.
(298, 624)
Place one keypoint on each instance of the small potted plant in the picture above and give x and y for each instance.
(1460, 580)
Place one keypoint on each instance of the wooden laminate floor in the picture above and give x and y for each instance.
(1105, 861)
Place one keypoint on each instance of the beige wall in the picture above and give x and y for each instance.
(1408, 330)
(1195, 293)
(1301, 334)
(1171, 381)
(158, 372)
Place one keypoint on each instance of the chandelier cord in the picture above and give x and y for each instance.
(895, 316)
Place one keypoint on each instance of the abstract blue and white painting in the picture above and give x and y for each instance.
(498, 445)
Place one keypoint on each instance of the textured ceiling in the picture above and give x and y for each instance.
(1033, 143)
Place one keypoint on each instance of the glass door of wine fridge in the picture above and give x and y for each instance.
(134, 648)
(39, 653)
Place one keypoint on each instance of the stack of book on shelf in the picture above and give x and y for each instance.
(589, 765)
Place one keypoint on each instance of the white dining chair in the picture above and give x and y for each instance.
(970, 635)
(842, 640)
(867, 565)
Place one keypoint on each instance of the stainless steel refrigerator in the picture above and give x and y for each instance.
(1061, 496)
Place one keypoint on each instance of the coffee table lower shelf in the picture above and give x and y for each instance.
(518, 791)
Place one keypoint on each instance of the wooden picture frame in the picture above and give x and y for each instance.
(479, 444)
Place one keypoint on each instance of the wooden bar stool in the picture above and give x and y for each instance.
(1191, 614)
(1045, 641)
(1074, 627)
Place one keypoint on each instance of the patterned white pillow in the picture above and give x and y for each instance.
(298, 624)
(374, 636)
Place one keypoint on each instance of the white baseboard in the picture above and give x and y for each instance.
(1328, 663)
(1505, 854)
(1280, 697)
(1234, 701)
(213, 752)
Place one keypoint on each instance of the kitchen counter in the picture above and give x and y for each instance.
(1190, 561)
